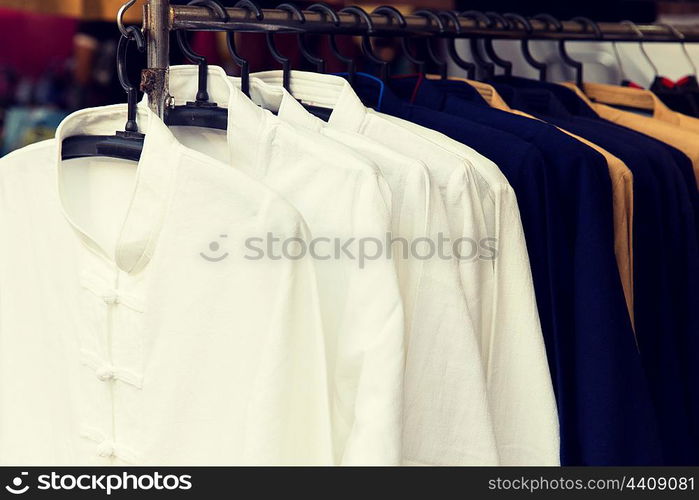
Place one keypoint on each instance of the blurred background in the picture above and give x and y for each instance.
(57, 56)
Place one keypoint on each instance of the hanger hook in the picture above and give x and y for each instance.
(242, 63)
(120, 18)
(641, 37)
(132, 33)
(319, 62)
(394, 14)
(493, 20)
(585, 23)
(202, 94)
(279, 57)
(486, 67)
(469, 67)
(680, 36)
(549, 20)
(367, 49)
(283, 60)
(562, 52)
(326, 10)
(541, 67)
(440, 63)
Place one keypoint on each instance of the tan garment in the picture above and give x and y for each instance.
(641, 99)
(674, 135)
(622, 192)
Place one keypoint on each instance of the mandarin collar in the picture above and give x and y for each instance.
(154, 184)
(246, 121)
(327, 91)
(278, 100)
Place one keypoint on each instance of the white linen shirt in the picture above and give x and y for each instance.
(443, 359)
(527, 427)
(454, 426)
(133, 329)
(500, 292)
(344, 199)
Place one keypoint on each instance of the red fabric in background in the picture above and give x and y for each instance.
(29, 42)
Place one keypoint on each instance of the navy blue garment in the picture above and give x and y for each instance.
(665, 261)
(557, 100)
(605, 411)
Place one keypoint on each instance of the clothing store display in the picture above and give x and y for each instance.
(377, 267)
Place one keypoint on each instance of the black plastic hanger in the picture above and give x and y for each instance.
(467, 66)
(280, 58)
(526, 51)
(486, 68)
(322, 113)
(285, 61)
(438, 62)
(494, 19)
(586, 23)
(201, 112)
(318, 62)
(126, 145)
(367, 49)
(563, 53)
(325, 9)
(242, 63)
(395, 15)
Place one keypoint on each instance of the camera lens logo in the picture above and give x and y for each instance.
(16, 488)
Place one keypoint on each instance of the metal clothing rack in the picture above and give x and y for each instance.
(160, 18)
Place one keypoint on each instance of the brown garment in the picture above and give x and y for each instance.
(677, 136)
(622, 193)
(642, 99)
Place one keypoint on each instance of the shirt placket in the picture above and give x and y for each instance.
(112, 353)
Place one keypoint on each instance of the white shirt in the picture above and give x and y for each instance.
(343, 198)
(481, 206)
(408, 180)
(447, 417)
(527, 427)
(133, 328)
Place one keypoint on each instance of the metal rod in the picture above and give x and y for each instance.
(157, 26)
(160, 18)
(198, 18)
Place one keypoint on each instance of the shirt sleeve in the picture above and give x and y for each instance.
(371, 356)
(289, 416)
(502, 299)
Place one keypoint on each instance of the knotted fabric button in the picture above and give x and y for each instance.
(111, 298)
(106, 449)
(105, 373)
